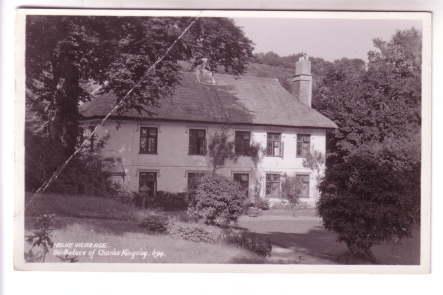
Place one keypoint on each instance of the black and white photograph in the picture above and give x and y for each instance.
(236, 138)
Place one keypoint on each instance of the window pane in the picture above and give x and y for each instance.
(273, 187)
(273, 144)
(304, 181)
(148, 140)
(242, 141)
(194, 179)
(147, 181)
(303, 144)
(197, 141)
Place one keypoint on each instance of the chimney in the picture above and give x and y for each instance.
(301, 82)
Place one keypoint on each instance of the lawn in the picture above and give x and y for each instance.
(113, 230)
(300, 237)
(296, 236)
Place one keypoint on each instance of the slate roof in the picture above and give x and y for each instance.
(233, 100)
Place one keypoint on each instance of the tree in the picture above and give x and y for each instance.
(371, 197)
(220, 150)
(67, 55)
(371, 190)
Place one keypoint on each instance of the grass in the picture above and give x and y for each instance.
(146, 248)
(106, 221)
(80, 206)
(297, 236)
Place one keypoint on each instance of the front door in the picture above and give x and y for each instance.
(147, 186)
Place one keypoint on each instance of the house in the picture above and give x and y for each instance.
(169, 151)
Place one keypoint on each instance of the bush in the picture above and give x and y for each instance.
(217, 200)
(161, 200)
(195, 232)
(155, 223)
(83, 175)
(262, 204)
(369, 198)
(249, 240)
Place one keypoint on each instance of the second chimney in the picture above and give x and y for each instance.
(301, 82)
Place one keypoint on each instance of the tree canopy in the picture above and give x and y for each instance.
(70, 57)
(371, 191)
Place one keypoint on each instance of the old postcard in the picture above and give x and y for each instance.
(242, 141)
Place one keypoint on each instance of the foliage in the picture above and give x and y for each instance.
(155, 223)
(371, 197)
(217, 200)
(220, 150)
(78, 206)
(195, 232)
(291, 189)
(371, 191)
(249, 240)
(68, 258)
(163, 200)
(315, 161)
(67, 57)
(40, 239)
(262, 204)
(84, 175)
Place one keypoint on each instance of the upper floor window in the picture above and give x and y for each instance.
(274, 147)
(303, 145)
(242, 142)
(197, 141)
(148, 140)
(303, 180)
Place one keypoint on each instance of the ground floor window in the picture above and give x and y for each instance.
(147, 182)
(194, 179)
(273, 185)
(243, 180)
(303, 180)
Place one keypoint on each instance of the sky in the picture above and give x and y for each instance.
(327, 38)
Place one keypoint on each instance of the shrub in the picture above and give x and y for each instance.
(292, 188)
(162, 200)
(83, 175)
(171, 201)
(369, 198)
(262, 204)
(249, 240)
(217, 200)
(155, 223)
(40, 239)
(195, 232)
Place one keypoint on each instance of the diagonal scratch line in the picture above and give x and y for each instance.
(60, 169)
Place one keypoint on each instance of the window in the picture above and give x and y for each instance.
(243, 180)
(148, 140)
(147, 182)
(197, 141)
(274, 146)
(303, 179)
(242, 142)
(303, 145)
(273, 185)
(194, 179)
